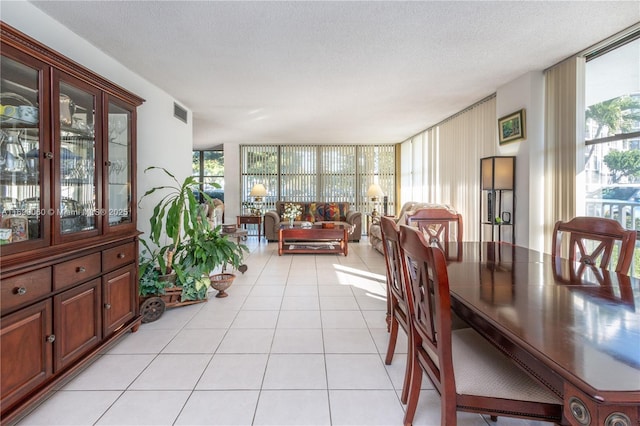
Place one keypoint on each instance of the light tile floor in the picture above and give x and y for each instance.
(299, 341)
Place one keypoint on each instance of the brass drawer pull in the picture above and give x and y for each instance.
(21, 291)
(81, 269)
(121, 255)
(107, 305)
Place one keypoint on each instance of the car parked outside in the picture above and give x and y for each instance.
(211, 192)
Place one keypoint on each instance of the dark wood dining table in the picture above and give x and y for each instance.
(574, 327)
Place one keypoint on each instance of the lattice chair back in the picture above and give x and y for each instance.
(594, 241)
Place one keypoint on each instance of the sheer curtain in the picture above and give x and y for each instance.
(448, 171)
(564, 128)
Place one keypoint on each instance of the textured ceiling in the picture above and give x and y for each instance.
(334, 72)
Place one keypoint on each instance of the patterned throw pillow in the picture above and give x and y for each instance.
(318, 211)
(308, 210)
(332, 211)
(344, 209)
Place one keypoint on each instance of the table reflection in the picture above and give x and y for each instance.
(595, 282)
(583, 320)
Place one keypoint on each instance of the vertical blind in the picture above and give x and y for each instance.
(303, 173)
(376, 164)
(442, 164)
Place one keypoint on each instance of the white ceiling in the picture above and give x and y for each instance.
(335, 72)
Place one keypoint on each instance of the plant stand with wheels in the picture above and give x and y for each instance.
(152, 307)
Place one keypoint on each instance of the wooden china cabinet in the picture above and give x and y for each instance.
(69, 244)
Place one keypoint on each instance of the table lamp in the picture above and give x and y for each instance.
(375, 193)
(258, 192)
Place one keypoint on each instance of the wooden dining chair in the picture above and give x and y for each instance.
(442, 226)
(594, 241)
(397, 315)
(466, 369)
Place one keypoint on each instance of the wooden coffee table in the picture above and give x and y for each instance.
(313, 240)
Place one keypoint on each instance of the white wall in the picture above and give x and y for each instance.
(162, 139)
(527, 92)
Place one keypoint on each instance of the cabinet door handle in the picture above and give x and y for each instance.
(107, 163)
(80, 269)
(48, 155)
(107, 305)
(21, 291)
(121, 255)
(51, 338)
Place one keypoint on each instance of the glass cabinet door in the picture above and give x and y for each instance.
(75, 161)
(118, 165)
(23, 214)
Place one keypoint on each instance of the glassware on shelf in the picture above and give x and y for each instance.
(119, 175)
(12, 156)
(67, 109)
(116, 127)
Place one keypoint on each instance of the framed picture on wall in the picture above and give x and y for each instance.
(512, 127)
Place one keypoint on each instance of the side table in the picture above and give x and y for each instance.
(250, 219)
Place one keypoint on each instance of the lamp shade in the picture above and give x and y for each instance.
(497, 172)
(258, 190)
(374, 191)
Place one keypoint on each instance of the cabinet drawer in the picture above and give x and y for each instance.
(75, 271)
(118, 256)
(24, 288)
(249, 219)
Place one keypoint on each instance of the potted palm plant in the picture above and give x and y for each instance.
(187, 247)
(177, 214)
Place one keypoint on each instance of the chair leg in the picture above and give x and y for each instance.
(393, 337)
(414, 391)
(407, 372)
(494, 418)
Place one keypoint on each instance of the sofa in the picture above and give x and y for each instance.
(408, 208)
(315, 212)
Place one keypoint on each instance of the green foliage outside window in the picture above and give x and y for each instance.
(617, 115)
(623, 164)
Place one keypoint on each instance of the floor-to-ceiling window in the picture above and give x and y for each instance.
(208, 166)
(612, 146)
(319, 173)
(612, 155)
